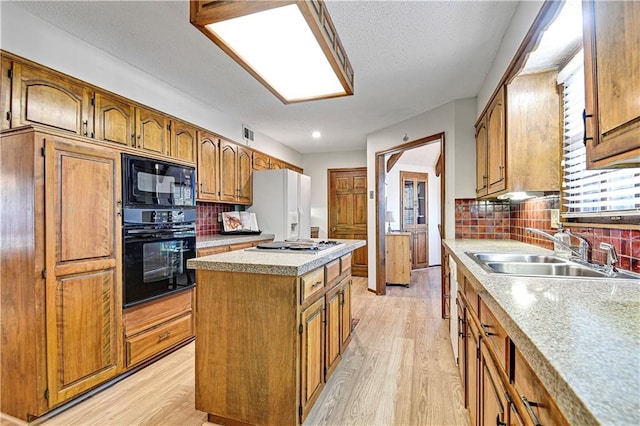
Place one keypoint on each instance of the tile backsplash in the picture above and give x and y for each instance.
(479, 219)
(207, 217)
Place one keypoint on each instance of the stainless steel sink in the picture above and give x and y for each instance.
(541, 265)
(517, 257)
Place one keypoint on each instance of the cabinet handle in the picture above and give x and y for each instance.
(133, 140)
(501, 168)
(484, 329)
(316, 284)
(499, 422)
(139, 144)
(164, 335)
(528, 404)
(119, 207)
(85, 125)
(584, 126)
(484, 181)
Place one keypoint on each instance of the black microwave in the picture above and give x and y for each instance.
(149, 183)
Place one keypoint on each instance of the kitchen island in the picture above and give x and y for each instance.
(270, 329)
(579, 336)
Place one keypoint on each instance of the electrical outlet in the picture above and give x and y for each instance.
(555, 218)
(219, 217)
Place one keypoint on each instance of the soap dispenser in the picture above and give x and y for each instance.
(560, 249)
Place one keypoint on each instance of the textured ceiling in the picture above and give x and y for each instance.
(408, 57)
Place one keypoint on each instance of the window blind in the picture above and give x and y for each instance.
(590, 193)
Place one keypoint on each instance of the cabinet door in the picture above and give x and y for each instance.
(260, 161)
(114, 119)
(496, 135)
(414, 219)
(481, 158)
(312, 356)
(472, 360)
(183, 141)
(245, 173)
(494, 404)
(151, 131)
(83, 289)
(333, 328)
(345, 314)
(228, 166)
(41, 97)
(208, 167)
(612, 83)
(462, 360)
(5, 93)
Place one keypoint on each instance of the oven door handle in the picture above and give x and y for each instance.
(166, 231)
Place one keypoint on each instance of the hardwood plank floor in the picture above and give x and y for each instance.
(397, 370)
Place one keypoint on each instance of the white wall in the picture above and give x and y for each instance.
(415, 161)
(316, 165)
(460, 174)
(32, 38)
(521, 21)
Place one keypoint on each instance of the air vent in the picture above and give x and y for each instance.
(247, 134)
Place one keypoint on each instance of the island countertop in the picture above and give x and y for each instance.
(218, 240)
(272, 263)
(581, 336)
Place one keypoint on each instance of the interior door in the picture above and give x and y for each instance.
(348, 211)
(415, 219)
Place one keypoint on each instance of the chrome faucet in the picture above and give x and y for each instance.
(612, 257)
(556, 240)
(583, 246)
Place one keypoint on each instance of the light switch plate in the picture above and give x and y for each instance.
(555, 218)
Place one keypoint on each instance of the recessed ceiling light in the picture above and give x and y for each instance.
(316, 134)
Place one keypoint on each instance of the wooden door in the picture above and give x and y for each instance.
(41, 97)
(332, 330)
(345, 313)
(208, 167)
(496, 134)
(5, 93)
(348, 211)
(183, 141)
(228, 166)
(414, 208)
(312, 355)
(244, 176)
(481, 158)
(612, 82)
(83, 287)
(152, 131)
(113, 119)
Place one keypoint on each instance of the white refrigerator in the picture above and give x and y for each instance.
(282, 203)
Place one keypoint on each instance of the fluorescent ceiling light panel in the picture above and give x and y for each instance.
(281, 48)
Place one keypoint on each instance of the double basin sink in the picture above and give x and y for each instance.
(544, 265)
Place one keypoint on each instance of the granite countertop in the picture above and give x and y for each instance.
(581, 336)
(216, 240)
(272, 263)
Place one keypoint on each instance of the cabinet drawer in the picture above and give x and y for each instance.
(333, 271)
(531, 390)
(311, 283)
(470, 294)
(156, 312)
(208, 251)
(345, 262)
(494, 334)
(149, 343)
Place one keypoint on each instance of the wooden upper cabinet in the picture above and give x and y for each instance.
(183, 141)
(612, 83)
(41, 97)
(152, 131)
(481, 158)
(5, 93)
(208, 167)
(260, 161)
(114, 119)
(496, 165)
(235, 173)
(276, 164)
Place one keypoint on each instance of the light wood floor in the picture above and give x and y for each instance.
(397, 370)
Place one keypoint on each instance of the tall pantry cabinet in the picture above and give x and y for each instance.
(60, 279)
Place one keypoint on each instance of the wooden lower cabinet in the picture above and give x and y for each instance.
(338, 324)
(472, 358)
(312, 354)
(495, 410)
(398, 258)
(67, 311)
(208, 251)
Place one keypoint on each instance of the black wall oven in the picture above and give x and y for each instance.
(158, 232)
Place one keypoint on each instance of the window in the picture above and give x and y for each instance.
(607, 196)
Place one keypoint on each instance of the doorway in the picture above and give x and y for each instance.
(414, 215)
(384, 162)
(347, 211)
